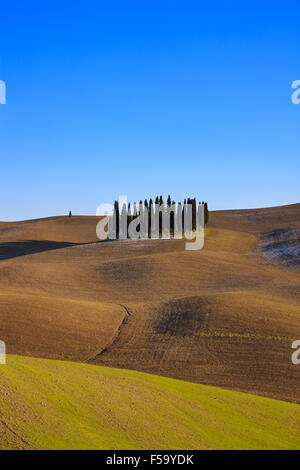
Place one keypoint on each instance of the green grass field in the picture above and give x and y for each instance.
(47, 404)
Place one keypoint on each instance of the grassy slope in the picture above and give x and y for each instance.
(53, 404)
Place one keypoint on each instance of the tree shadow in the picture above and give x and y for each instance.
(10, 250)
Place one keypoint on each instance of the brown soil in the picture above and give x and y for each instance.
(222, 316)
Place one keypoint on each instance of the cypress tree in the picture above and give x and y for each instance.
(134, 210)
(178, 222)
(161, 207)
(194, 213)
(173, 215)
(150, 217)
(129, 216)
(151, 226)
(183, 214)
(117, 213)
(155, 223)
(206, 214)
(141, 214)
(161, 217)
(123, 223)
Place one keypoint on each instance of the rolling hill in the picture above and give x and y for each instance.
(47, 404)
(224, 316)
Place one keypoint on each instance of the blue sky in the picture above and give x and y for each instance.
(141, 97)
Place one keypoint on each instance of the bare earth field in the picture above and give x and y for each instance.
(224, 316)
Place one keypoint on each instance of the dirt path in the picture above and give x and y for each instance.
(106, 349)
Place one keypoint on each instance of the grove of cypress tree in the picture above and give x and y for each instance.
(146, 211)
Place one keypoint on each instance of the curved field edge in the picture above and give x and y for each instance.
(47, 404)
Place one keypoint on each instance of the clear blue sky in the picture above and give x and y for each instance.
(147, 97)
